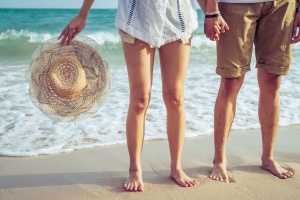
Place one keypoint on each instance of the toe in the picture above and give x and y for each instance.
(130, 188)
(182, 183)
(290, 173)
(189, 184)
(135, 188)
(126, 186)
(194, 182)
(140, 188)
(283, 176)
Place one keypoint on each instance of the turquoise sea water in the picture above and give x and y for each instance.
(25, 131)
(21, 30)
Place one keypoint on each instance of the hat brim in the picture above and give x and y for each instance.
(97, 73)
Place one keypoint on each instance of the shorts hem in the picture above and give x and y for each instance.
(232, 73)
(277, 70)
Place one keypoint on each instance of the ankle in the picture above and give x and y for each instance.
(267, 159)
(219, 161)
(175, 167)
(135, 168)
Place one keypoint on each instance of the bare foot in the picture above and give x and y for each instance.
(273, 167)
(219, 173)
(134, 182)
(182, 179)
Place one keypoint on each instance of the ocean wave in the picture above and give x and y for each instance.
(200, 41)
(24, 35)
(105, 37)
(101, 37)
(34, 37)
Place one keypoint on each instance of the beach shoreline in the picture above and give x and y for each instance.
(99, 173)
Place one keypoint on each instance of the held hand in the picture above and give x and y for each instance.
(213, 27)
(74, 27)
(296, 36)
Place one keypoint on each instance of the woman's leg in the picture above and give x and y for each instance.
(139, 60)
(174, 58)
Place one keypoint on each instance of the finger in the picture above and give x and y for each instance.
(218, 25)
(226, 27)
(294, 31)
(217, 30)
(223, 29)
(62, 33)
(217, 37)
(212, 37)
(296, 39)
(77, 31)
(65, 34)
(70, 34)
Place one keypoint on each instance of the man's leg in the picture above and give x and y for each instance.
(268, 111)
(225, 107)
(234, 51)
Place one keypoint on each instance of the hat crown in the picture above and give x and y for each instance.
(67, 77)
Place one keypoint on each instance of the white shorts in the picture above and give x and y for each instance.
(157, 22)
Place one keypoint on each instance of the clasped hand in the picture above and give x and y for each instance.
(213, 27)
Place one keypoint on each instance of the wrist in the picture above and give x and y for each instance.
(212, 15)
(83, 14)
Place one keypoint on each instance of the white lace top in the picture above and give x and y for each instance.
(157, 22)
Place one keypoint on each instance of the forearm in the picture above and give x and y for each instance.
(202, 4)
(211, 6)
(85, 8)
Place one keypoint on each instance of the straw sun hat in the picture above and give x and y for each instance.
(70, 82)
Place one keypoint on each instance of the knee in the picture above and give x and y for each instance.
(140, 102)
(173, 99)
(231, 86)
(271, 86)
(268, 83)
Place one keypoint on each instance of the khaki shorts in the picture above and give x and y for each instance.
(267, 25)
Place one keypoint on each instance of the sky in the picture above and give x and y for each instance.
(55, 3)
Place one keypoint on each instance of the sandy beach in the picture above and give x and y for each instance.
(99, 173)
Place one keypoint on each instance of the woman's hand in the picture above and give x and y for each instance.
(296, 29)
(213, 27)
(74, 27)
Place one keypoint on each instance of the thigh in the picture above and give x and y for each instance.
(234, 49)
(139, 59)
(274, 36)
(174, 59)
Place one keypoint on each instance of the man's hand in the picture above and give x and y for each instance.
(296, 29)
